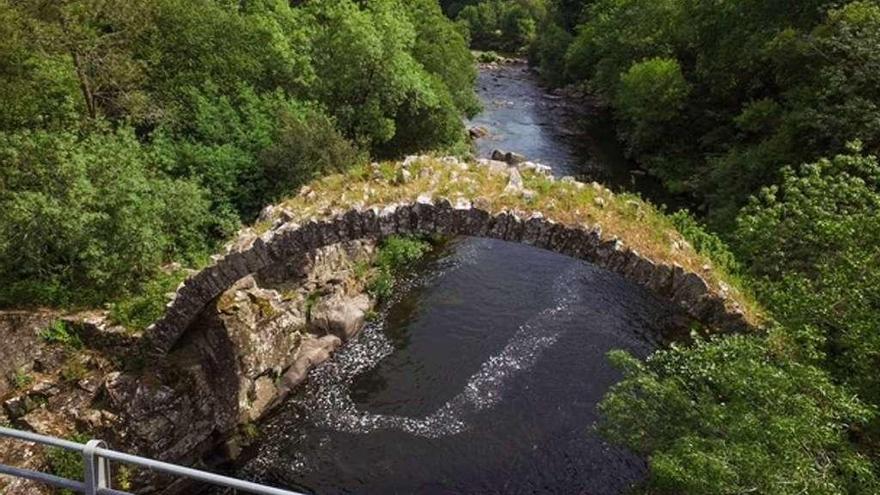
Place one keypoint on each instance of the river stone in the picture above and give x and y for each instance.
(341, 315)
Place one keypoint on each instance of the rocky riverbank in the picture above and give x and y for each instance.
(81, 376)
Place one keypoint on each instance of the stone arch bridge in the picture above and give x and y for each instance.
(445, 196)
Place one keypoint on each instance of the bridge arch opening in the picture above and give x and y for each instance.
(286, 240)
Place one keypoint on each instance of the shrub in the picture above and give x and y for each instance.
(502, 24)
(738, 415)
(398, 253)
(307, 145)
(83, 219)
(395, 255)
(138, 310)
(67, 463)
(488, 57)
(705, 242)
(59, 332)
(812, 243)
(22, 379)
(548, 53)
(652, 92)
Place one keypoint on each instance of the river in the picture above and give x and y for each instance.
(484, 373)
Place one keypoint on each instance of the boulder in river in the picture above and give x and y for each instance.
(478, 132)
(509, 157)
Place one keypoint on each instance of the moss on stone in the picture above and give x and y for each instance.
(637, 223)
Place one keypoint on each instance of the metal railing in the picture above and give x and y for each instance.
(96, 464)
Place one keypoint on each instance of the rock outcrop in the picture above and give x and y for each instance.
(247, 350)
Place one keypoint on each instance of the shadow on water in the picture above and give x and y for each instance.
(483, 374)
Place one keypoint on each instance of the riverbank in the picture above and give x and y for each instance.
(78, 376)
(567, 128)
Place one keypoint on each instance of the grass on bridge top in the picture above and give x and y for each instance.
(637, 223)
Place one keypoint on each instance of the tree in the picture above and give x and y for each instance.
(814, 243)
(738, 414)
(83, 219)
(96, 39)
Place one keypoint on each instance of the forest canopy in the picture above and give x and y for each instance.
(764, 114)
(137, 133)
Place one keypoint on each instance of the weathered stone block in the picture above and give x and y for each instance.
(328, 231)
(287, 242)
(310, 236)
(370, 223)
(642, 271)
(479, 222)
(353, 225)
(498, 228)
(575, 243)
(545, 236)
(404, 218)
(388, 220)
(444, 222)
(202, 284)
(423, 211)
(660, 281)
(688, 286)
(515, 228)
(532, 229)
(261, 250)
(234, 263)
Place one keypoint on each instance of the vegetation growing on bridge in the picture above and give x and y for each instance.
(395, 255)
(641, 225)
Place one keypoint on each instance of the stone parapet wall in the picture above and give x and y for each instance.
(252, 253)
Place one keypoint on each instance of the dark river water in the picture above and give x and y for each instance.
(483, 374)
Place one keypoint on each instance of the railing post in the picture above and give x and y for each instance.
(97, 469)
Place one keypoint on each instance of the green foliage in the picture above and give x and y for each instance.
(721, 100)
(488, 57)
(138, 310)
(250, 431)
(74, 369)
(82, 219)
(59, 332)
(311, 300)
(503, 24)
(443, 51)
(814, 243)
(716, 99)
(384, 87)
(735, 415)
(755, 413)
(22, 379)
(395, 255)
(398, 253)
(382, 285)
(651, 94)
(124, 474)
(818, 212)
(549, 49)
(139, 133)
(67, 463)
(705, 242)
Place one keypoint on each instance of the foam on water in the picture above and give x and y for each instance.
(328, 396)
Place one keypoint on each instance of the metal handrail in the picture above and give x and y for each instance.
(96, 461)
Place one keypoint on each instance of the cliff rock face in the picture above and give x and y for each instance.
(244, 353)
(21, 348)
